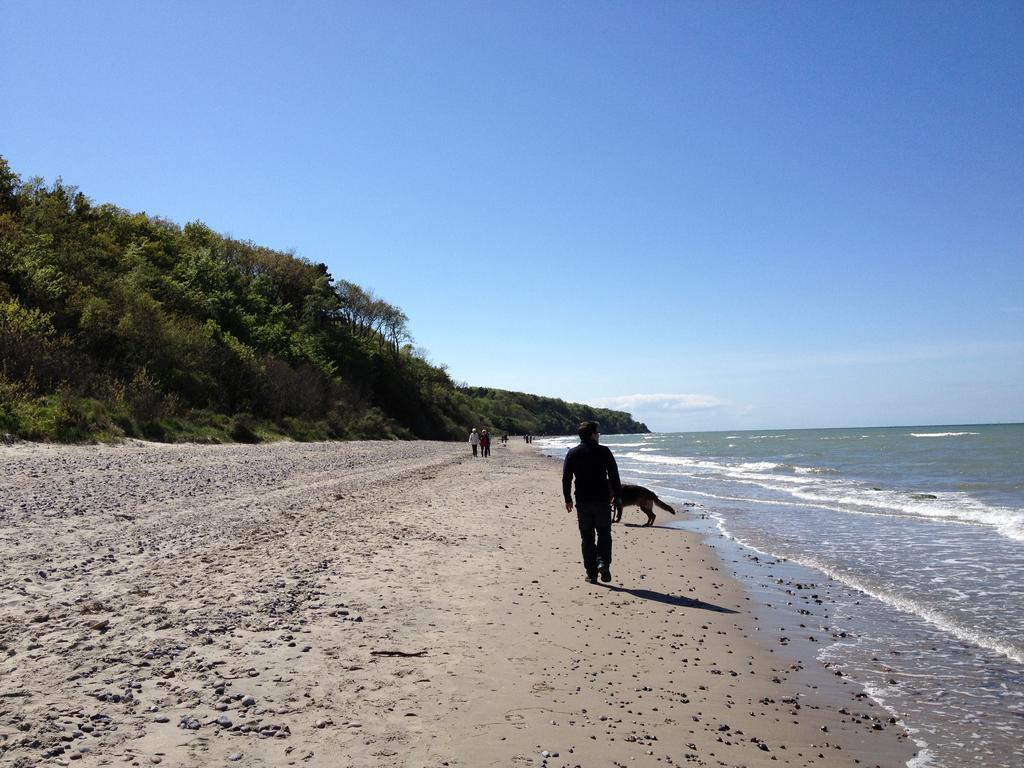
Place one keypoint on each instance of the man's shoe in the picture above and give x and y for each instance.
(606, 575)
(592, 578)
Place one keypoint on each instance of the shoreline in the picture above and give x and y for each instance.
(786, 592)
(379, 604)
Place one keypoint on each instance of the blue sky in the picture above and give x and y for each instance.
(716, 215)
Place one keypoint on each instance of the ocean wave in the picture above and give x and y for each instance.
(738, 470)
(812, 484)
(675, 461)
(907, 604)
(952, 506)
(900, 602)
(758, 470)
(924, 757)
(771, 466)
(544, 441)
(941, 434)
(815, 503)
(850, 497)
(758, 466)
(722, 497)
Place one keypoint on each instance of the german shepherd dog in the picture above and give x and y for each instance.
(646, 499)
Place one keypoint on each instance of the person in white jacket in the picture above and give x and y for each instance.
(474, 440)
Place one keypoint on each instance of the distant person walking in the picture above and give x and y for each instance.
(474, 440)
(595, 471)
(485, 443)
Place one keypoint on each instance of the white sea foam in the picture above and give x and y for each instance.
(759, 466)
(768, 502)
(1014, 651)
(941, 434)
(953, 506)
(771, 466)
(556, 442)
(676, 461)
(849, 496)
(738, 470)
(924, 756)
(763, 473)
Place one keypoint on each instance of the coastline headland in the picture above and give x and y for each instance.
(379, 604)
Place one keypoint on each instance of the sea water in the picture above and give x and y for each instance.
(920, 529)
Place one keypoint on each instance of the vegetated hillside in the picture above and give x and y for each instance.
(118, 324)
(519, 412)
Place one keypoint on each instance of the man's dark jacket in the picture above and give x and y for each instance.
(597, 476)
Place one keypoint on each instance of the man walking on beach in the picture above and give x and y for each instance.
(595, 471)
(474, 440)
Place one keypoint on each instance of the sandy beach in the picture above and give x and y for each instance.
(380, 604)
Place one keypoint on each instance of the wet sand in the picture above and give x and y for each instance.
(379, 604)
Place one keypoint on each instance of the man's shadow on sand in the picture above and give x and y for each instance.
(676, 600)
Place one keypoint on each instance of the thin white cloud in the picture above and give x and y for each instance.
(660, 402)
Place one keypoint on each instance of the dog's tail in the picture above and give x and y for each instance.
(663, 505)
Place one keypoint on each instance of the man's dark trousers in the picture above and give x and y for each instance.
(595, 517)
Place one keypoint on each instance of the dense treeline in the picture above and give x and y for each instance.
(121, 324)
(519, 412)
